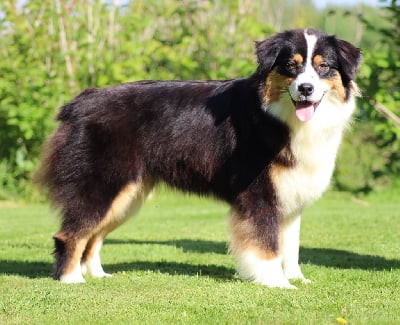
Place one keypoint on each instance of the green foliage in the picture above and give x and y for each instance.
(170, 266)
(370, 153)
(25, 99)
(360, 166)
(380, 84)
(52, 50)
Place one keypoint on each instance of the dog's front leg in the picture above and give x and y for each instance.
(290, 242)
(255, 244)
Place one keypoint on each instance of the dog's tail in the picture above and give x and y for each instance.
(57, 165)
(47, 174)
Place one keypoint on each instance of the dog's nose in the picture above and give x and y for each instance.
(306, 89)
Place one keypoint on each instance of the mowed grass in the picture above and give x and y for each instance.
(170, 267)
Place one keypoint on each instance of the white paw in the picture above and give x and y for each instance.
(267, 272)
(94, 269)
(280, 282)
(72, 278)
(301, 279)
(305, 280)
(101, 275)
(293, 272)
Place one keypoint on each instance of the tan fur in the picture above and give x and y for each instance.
(298, 58)
(76, 257)
(126, 203)
(336, 85)
(317, 60)
(91, 246)
(242, 238)
(275, 84)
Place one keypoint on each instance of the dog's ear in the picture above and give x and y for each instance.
(267, 52)
(349, 59)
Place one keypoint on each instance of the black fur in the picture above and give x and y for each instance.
(210, 138)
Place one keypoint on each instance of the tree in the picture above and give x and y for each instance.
(51, 50)
(374, 143)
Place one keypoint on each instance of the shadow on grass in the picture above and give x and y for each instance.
(34, 270)
(318, 256)
(187, 245)
(346, 260)
(27, 269)
(173, 268)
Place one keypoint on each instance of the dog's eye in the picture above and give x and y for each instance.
(323, 67)
(291, 66)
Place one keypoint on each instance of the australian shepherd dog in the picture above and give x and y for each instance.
(265, 144)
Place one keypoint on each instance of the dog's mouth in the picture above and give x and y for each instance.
(305, 109)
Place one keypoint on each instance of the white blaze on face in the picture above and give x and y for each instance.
(306, 105)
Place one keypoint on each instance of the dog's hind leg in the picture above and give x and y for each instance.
(85, 224)
(68, 252)
(91, 262)
(126, 203)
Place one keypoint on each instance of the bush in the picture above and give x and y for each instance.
(361, 164)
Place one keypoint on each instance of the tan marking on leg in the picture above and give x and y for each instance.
(126, 203)
(242, 237)
(72, 273)
(91, 254)
(90, 251)
(91, 262)
(76, 255)
(254, 263)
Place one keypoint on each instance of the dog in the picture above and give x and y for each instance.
(265, 144)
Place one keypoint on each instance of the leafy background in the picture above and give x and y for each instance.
(51, 50)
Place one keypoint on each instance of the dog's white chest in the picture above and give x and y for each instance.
(302, 184)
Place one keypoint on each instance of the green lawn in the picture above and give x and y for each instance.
(170, 266)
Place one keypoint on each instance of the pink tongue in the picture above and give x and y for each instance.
(305, 112)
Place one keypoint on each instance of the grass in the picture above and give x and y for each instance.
(170, 267)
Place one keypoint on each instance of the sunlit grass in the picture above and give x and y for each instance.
(170, 266)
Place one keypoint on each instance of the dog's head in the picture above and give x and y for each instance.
(302, 69)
